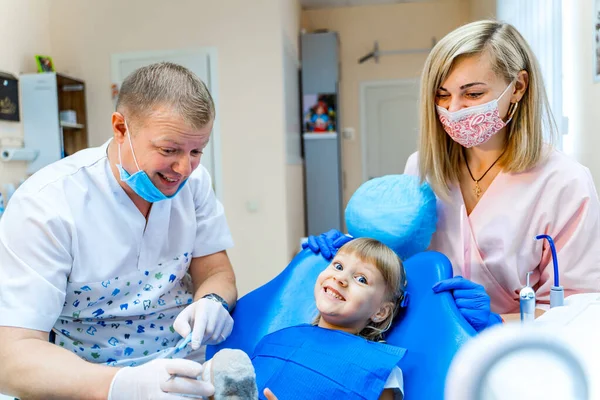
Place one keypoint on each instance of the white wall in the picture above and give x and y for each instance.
(251, 104)
(481, 9)
(25, 32)
(583, 139)
(291, 12)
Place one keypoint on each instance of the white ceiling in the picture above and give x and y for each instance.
(311, 4)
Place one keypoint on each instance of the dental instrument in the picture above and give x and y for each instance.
(527, 302)
(185, 342)
(180, 347)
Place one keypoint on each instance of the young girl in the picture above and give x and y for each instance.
(342, 354)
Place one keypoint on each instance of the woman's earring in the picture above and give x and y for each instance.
(514, 109)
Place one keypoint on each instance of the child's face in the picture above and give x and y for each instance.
(350, 292)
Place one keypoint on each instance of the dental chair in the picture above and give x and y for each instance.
(431, 327)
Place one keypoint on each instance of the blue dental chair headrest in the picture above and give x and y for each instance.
(431, 327)
(397, 210)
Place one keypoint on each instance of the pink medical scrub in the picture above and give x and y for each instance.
(495, 245)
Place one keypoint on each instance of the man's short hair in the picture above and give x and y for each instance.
(166, 84)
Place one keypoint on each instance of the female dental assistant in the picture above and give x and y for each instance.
(120, 251)
(498, 184)
(484, 116)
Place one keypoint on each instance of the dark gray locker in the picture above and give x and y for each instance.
(322, 151)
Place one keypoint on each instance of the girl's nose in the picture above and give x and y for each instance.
(341, 281)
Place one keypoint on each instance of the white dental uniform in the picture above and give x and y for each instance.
(77, 257)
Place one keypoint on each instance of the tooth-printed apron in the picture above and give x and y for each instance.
(127, 320)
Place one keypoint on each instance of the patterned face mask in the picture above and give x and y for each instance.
(475, 125)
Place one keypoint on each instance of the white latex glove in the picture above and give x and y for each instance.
(155, 380)
(210, 320)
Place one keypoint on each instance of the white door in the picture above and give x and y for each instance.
(201, 62)
(389, 126)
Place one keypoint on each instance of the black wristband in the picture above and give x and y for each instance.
(217, 298)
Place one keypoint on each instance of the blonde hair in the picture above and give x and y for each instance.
(166, 84)
(509, 53)
(391, 268)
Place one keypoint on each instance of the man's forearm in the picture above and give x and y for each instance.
(32, 368)
(214, 274)
(221, 283)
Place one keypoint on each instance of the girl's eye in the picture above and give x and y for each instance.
(338, 266)
(361, 279)
(442, 96)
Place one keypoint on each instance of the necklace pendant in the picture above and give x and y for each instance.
(477, 189)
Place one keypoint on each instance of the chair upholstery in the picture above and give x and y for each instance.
(431, 328)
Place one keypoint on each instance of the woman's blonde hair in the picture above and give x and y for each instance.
(509, 53)
(391, 268)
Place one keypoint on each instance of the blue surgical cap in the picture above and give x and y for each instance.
(397, 210)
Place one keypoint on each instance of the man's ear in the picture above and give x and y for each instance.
(384, 312)
(118, 126)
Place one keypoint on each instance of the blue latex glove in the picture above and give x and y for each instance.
(472, 301)
(327, 243)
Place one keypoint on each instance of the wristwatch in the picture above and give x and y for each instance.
(218, 299)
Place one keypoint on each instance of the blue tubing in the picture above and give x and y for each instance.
(554, 257)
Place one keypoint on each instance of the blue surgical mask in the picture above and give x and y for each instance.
(140, 182)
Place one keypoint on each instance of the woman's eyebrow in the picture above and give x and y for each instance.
(468, 85)
(465, 86)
